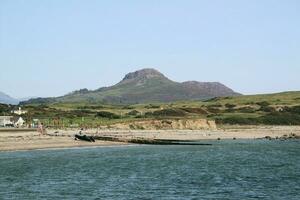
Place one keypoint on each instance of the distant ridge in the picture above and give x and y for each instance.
(145, 86)
(5, 99)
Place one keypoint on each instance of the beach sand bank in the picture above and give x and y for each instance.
(13, 141)
(29, 140)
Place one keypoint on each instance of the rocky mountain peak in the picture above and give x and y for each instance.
(147, 73)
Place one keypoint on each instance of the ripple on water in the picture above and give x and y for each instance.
(227, 170)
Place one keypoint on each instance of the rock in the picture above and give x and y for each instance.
(268, 137)
(293, 134)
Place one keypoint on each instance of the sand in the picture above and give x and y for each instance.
(29, 140)
(12, 141)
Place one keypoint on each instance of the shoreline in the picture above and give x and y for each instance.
(67, 148)
(62, 139)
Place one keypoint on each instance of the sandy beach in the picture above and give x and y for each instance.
(29, 140)
(13, 141)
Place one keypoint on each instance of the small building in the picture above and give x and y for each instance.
(20, 122)
(19, 112)
(6, 121)
(35, 123)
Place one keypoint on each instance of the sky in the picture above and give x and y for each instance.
(53, 47)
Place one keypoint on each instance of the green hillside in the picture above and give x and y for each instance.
(269, 109)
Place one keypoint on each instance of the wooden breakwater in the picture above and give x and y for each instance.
(150, 141)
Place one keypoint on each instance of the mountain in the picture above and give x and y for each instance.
(27, 98)
(144, 86)
(5, 99)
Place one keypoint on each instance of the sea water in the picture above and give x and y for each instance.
(245, 169)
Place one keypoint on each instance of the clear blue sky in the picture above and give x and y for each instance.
(52, 47)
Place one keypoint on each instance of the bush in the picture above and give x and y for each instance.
(195, 110)
(109, 115)
(214, 106)
(127, 107)
(213, 110)
(212, 99)
(294, 109)
(238, 120)
(4, 109)
(230, 106)
(82, 112)
(133, 113)
(270, 119)
(263, 103)
(166, 113)
(246, 109)
(151, 106)
(90, 107)
(281, 119)
(267, 109)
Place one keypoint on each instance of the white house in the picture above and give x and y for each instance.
(20, 122)
(19, 112)
(6, 121)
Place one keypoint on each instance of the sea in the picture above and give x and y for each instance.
(228, 169)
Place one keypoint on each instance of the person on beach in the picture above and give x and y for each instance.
(41, 129)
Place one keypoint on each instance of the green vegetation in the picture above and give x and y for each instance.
(5, 109)
(270, 109)
(166, 113)
(109, 115)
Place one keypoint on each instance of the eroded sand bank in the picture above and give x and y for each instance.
(23, 140)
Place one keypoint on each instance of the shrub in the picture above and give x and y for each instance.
(109, 115)
(270, 119)
(166, 113)
(213, 110)
(82, 112)
(212, 99)
(263, 103)
(238, 120)
(267, 109)
(246, 109)
(151, 106)
(281, 119)
(90, 107)
(230, 106)
(127, 107)
(195, 110)
(214, 106)
(4, 109)
(294, 109)
(133, 113)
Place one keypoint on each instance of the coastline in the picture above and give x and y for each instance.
(57, 139)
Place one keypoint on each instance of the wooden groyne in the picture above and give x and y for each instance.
(150, 141)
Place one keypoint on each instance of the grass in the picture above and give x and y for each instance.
(277, 109)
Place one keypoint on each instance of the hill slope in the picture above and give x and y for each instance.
(146, 85)
(268, 109)
(5, 99)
